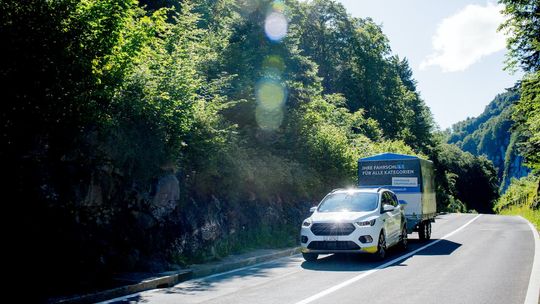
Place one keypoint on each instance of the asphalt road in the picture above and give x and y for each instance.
(470, 259)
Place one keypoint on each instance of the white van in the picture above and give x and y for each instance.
(354, 220)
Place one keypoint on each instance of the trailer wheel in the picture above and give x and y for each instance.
(422, 231)
(428, 230)
(310, 257)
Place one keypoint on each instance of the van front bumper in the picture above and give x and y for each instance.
(341, 243)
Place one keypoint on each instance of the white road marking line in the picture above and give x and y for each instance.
(367, 273)
(533, 291)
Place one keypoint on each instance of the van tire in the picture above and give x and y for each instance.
(381, 247)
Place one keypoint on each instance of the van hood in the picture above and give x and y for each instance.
(319, 217)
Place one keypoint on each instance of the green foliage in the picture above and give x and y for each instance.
(522, 198)
(500, 109)
(325, 132)
(155, 103)
(492, 134)
(523, 29)
(453, 204)
(527, 117)
(392, 146)
(354, 59)
(523, 43)
(523, 191)
(464, 179)
(335, 139)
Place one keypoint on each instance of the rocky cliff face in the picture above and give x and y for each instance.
(514, 165)
(103, 222)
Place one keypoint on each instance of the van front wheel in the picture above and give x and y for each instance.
(381, 248)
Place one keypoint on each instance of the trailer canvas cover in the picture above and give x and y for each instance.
(410, 177)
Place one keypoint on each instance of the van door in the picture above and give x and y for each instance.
(396, 216)
(389, 219)
(393, 219)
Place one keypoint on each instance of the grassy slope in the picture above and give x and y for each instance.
(522, 198)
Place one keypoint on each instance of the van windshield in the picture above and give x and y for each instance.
(349, 202)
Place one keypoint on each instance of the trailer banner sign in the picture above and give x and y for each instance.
(399, 175)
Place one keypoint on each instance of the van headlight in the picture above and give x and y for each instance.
(366, 223)
(306, 223)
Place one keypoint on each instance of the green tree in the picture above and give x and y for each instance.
(523, 43)
(354, 59)
(463, 177)
(491, 134)
(523, 29)
(527, 117)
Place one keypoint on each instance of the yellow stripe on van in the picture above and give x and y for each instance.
(371, 249)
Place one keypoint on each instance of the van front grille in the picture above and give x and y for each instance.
(332, 228)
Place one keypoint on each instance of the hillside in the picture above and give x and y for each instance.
(491, 134)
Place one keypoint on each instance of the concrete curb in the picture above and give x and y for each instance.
(165, 279)
(169, 279)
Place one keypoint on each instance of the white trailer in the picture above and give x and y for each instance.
(411, 178)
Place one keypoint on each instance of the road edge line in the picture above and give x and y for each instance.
(533, 290)
(365, 274)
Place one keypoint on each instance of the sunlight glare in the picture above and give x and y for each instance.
(275, 26)
(271, 96)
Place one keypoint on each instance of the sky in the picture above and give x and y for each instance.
(453, 48)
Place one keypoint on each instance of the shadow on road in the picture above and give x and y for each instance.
(363, 262)
(206, 284)
(443, 247)
(131, 299)
(335, 262)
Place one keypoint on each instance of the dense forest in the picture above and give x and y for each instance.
(146, 135)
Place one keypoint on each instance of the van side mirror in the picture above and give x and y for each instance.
(388, 208)
(312, 209)
(402, 202)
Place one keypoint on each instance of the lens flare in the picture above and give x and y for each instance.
(271, 96)
(269, 119)
(275, 26)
